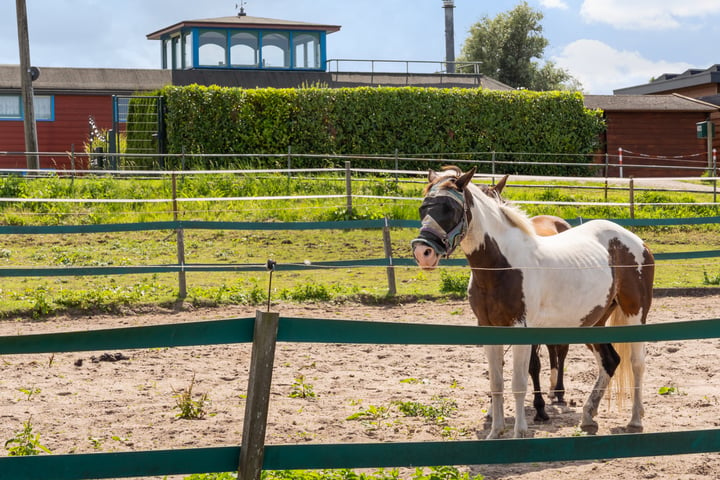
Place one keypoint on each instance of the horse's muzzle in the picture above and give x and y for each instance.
(425, 255)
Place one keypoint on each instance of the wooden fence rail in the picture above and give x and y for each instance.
(314, 456)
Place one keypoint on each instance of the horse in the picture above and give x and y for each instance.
(595, 274)
(546, 225)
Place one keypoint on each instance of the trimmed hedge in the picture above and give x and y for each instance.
(378, 121)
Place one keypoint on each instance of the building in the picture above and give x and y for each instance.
(238, 51)
(654, 130)
(701, 84)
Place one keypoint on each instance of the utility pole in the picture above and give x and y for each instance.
(449, 5)
(31, 143)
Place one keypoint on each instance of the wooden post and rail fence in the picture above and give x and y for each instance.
(252, 455)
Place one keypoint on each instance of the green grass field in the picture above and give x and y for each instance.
(42, 296)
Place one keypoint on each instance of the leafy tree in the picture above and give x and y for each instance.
(510, 47)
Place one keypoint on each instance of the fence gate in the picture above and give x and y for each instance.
(138, 129)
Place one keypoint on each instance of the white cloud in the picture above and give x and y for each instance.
(560, 4)
(601, 69)
(647, 14)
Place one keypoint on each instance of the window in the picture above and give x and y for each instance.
(307, 50)
(166, 54)
(11, 107)
(187, 50)
(211, 48)
(275, 50)
(244, 49)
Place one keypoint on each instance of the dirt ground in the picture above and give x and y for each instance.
(78, 403)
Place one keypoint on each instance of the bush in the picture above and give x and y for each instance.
(359, 121)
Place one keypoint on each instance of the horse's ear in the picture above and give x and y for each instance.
(432, 175)
(500, 185)
(465, 178)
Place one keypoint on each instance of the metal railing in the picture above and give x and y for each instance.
(333, 65)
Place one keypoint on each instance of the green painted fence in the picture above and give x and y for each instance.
(363, 455)
(182, 266)
(242, 330)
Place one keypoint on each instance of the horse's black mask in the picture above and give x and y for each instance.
(444, 222)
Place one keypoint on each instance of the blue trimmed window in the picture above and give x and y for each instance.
(11, 108)
(244, 49)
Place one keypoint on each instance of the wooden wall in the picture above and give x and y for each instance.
(656, 134)
(70, 127)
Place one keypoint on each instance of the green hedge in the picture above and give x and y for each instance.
(378, 121)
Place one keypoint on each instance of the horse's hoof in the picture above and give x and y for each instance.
(541, 417)
(590, 429)
(493, 435)
(634, 428)
(522, 434)
(560, 403)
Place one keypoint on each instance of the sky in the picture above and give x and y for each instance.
(605, 44)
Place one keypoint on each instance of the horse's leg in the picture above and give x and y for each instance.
(494, 355)
(557, 367)
(608, 360)
(538, 401)
(521, 361)
(638, 369)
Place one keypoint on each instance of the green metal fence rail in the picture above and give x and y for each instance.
(181, 266)
(363, 455)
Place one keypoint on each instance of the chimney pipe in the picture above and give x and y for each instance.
(448, 6)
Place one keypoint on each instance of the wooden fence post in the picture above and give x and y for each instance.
(182, 281)
(387, 244)
(348, 189)
(252, 449)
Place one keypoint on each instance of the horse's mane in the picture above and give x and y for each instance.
(517, 217)
(512, 213)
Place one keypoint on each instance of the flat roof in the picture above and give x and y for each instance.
(243, 21)
(674, 81)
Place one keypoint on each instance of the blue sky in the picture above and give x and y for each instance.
(606, 44)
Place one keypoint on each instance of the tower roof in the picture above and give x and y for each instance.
(243, 21)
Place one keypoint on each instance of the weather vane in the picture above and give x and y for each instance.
(241, 6)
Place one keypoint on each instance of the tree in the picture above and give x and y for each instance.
(510, 47)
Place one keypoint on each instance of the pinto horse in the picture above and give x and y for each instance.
(595, 274)
(546, 225)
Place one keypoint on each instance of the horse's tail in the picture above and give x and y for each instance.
(622, 381)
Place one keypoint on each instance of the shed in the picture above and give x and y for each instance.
(654, 130)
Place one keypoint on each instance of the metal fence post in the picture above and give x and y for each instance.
(348, 189)
(387, 244)
(632, 197)
(182, 281)
(252, 450)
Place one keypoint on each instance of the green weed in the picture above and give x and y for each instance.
(190, 409)
(433, 473)
(25, 442)
(436, 413)
(455, 283)
(302, 389)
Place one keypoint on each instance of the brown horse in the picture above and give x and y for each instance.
(595, 274)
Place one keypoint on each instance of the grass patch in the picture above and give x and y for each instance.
(43, 296)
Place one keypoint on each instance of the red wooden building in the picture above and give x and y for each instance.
(654, 130)
(65, 101)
